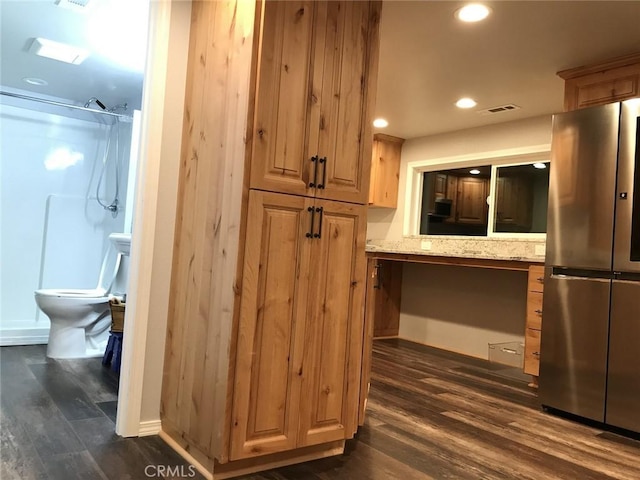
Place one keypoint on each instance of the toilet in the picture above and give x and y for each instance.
(80, 319)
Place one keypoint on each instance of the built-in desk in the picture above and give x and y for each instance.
(384, 285)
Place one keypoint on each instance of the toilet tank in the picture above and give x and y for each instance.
(122, 243)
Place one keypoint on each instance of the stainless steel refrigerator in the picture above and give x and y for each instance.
(590, 350)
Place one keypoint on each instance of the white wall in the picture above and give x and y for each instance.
(384, 223)
(164, 138)
(53, 234)
(460, 309)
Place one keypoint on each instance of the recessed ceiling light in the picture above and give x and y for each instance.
(380, 123)
(58, 51)
(475, 171)
(35, 81)
(466, 103)
(539, 165)
(473, 12)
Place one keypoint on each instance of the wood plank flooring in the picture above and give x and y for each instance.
(438, 415)
(57, 422)
(431, 415)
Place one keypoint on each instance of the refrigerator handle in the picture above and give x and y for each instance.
(573, 273)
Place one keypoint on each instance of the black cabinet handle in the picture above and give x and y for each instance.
(319, 234)
(314, 160)
(539, 312)
(313, 214)
(323, 161)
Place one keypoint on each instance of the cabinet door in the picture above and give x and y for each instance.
(334, 325)
(472, 205)
(281, 161)
(345, 68)
(268, 363)
(385, 171)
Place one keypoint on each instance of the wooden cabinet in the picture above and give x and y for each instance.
(605, 82)
(300, 328)
(387, 293)
(266, 315)
(385, 171)
(534, 322)
(514, 203)
(471, 207)
(312, 134)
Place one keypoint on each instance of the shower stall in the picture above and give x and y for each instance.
(66, 182)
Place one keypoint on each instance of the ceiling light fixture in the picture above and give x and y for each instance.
(58, 51)
(473, 12)
(35, 81)
(475, 171)
(380, 123)
(540, 165)
(466, 103)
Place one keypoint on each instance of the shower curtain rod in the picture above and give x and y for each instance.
(66, 105)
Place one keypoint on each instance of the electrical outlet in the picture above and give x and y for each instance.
(425, 245)
(539, 249)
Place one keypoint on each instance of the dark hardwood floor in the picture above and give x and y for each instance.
(431, 414)
(57, 422)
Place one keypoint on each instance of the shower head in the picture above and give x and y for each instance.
(98, 102)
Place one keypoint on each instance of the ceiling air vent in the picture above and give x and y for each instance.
(499, 109)
(73, 4)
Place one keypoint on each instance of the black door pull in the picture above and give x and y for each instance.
(313, 214)
(319, 234)
(314, 160)
(323, 161)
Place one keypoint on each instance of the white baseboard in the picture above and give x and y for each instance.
(23, 336)
(151, 427)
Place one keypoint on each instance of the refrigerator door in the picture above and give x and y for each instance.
(623, 391)
(573, 355)
(582, 182)
(626, 254)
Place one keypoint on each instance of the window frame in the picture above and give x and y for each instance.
(499, 158)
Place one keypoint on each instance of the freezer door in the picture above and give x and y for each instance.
(623, 391)
(573, 355)
(582, 180)
(626, 255)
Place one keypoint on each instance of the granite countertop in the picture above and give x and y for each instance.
(490, 248)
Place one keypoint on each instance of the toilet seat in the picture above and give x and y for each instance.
(93, 293)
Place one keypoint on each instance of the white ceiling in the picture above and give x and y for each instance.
(427, 58)
(111, 29)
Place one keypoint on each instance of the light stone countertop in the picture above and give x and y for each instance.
(490, 248)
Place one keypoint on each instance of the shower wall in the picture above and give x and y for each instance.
(53, 233)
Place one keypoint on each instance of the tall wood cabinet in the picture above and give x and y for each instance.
(265, 331)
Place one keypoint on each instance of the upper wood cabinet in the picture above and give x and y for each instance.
(385, 171)
(471, 205)
(300, 327)
(605, 82)
(314, 98)
(514, 202)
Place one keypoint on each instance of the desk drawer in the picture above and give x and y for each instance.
(532, 352)
(534, 310)
(536, 278)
